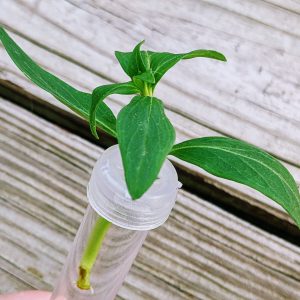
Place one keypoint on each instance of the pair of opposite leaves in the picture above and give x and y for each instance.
(142, 126)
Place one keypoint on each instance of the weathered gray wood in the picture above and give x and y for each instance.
(202, 252)
(253, 97)
(11, 282)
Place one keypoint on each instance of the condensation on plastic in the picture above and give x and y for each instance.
(109, 198)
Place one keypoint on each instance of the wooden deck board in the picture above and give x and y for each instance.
(253, 97)
(201, 252)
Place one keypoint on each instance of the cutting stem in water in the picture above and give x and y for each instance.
(91, 251)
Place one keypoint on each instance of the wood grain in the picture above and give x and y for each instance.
(253, 97)
(201, 252)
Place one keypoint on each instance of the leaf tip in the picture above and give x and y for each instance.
(223, 57)
(95, 134)
(138, 46)
(141, 42)
(135, 194)
(219, 56)
(94, 130)
(134, 197)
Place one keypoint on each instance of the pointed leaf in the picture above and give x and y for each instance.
(101, 92)
(204, 53)
(145, 137)
(241, 162)
(76, 100)
(131, 62)
(158, 62)
(162, 62)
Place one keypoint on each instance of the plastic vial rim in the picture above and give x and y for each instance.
(108, 195)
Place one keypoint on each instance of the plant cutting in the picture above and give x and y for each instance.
(133, 186)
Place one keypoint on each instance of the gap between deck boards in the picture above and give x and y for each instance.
(191, 182)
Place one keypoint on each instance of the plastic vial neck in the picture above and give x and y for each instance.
(109, 196)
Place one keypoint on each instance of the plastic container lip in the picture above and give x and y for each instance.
(108, 194)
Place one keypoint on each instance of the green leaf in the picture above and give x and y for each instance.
(101, 92)
(238, 161)
(137, 62)
(147, 76)
(131, 62)
(76, 100)
(161, 62)
(145, 137)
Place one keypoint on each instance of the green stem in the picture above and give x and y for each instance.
(91, 251)
(148, 91)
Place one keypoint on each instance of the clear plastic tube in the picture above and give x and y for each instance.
(116, 255)
(113, 230)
